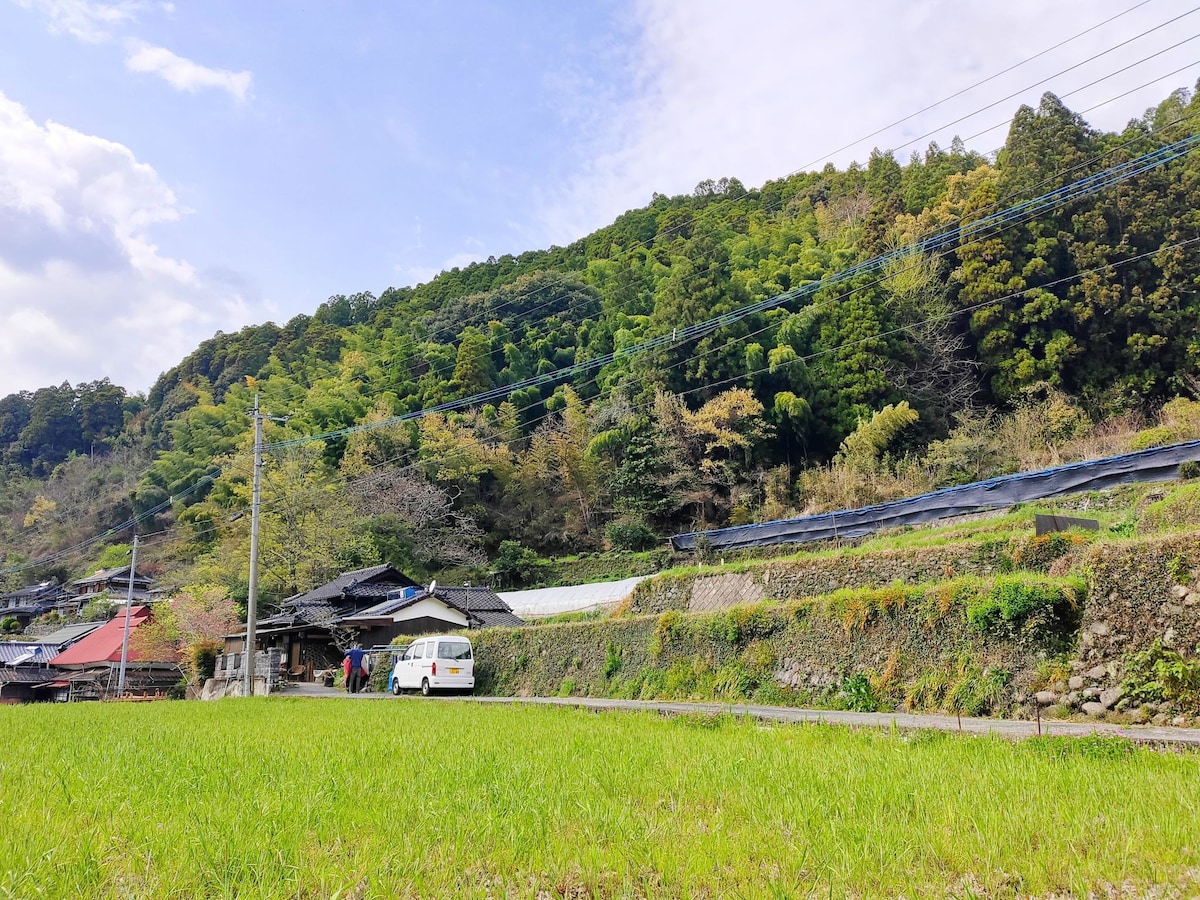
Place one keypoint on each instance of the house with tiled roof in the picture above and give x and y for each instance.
(414, 611)
(90, 668)
(27, 603)
(308, 630)
(112, 584)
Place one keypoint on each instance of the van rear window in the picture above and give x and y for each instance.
(454, 650)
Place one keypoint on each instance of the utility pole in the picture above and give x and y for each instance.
(128, 610)
(252, 592)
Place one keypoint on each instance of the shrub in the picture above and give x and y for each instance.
(566, 688)
(9, 625)
(668, 627)
(515, 565)
(630, 535)
(680, 679)
(1052, 670)
(202, 659)
(857, 694)
(855, 607)
(744, 622)
(612, 660)
(1157, 436)
(1012, 599)
(733, 682)
(928, 691)
(963, 686)
(1189, 470)
(977, 691)
(1158, 674)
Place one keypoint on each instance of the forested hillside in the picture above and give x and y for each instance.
(938, 367)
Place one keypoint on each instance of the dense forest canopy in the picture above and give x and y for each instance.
(1088, 311)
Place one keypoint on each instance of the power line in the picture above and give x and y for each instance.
(1023, 211)
(1042, 81)
(679, 226)
(1029, 209)
(972, 87)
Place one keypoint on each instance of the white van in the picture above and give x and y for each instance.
(441, 662)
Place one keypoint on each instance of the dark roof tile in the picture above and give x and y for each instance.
(357, 580)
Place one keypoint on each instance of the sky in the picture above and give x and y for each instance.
(168, 170)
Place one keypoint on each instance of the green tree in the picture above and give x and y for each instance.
(473, 370)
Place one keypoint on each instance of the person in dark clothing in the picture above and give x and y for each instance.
(355, 676)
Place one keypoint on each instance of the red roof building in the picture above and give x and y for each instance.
(103, 646)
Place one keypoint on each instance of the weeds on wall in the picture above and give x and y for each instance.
(1013, 599)
(962, 685)
(1161, 675)
(856, 694)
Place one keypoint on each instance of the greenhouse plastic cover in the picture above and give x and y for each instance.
(1157, 464)
(574, 598)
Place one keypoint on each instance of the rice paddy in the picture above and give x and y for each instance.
(285, 797)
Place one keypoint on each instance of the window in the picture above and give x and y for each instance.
(429, 648)
(454, 650)
(413, 652)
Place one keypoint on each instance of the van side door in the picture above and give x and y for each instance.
(408, 676)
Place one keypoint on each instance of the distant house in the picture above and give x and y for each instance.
(413, 611)
(308, 629)
(45, 647)
(89, 669)
(27, 603)
(27, 672)
(113, 583)
(24, 671)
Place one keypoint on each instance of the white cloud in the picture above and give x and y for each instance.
(96, 23)
(88, 21)
(84, 290)
(184, 74)
(759, 89)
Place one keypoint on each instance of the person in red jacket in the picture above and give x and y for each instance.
(355, 672)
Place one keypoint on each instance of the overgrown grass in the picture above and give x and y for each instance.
(1119, 511)
(405, 798)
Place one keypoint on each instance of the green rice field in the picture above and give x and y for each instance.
(311, 798)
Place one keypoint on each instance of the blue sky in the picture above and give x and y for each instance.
(170, 169)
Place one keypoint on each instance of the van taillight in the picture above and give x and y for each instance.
(433, 671)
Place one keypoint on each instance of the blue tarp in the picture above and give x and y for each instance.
(1157, 464)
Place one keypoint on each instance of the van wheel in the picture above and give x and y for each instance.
(424, 687)
(396, 686)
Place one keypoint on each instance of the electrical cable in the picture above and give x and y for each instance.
(679, 226)
(972, 87)
(1027, 210)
